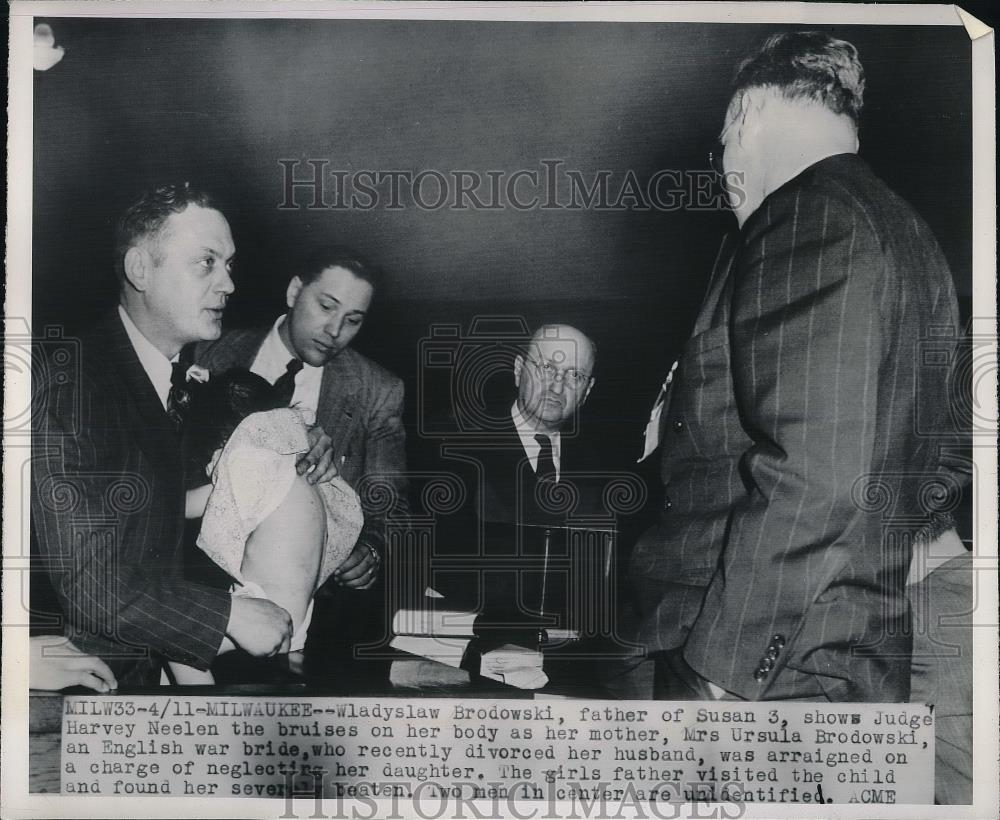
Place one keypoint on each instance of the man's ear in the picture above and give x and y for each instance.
(293, 290)
(590, 386)
(138, 264)
(518, 367)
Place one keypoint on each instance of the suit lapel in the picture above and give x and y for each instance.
(516, 476)
(250, 347)
(338, 408)
(716, 285)
(504, 469)
(719, 284)
(144, 414)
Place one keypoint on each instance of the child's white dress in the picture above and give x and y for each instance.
(251, 478)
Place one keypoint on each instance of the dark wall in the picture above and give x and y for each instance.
(221, 102)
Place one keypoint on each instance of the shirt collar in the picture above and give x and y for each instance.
(273, 356)
(157, 366)
(273, 351)
(526, 431)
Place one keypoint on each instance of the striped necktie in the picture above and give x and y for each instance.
(179, 396)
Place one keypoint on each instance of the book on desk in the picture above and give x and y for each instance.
(448, 637)
(526, 588)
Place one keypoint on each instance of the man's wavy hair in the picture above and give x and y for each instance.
(333, 255)
(145, 216)
(807, 65)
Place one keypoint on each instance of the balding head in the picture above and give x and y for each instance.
(554, 376)
(795, 102)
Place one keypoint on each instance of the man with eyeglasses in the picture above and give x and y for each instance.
(792, 427)
(554, 377)
(526, 467)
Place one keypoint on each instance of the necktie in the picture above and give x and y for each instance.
(179, 396)
(284, 387)
(546, 464)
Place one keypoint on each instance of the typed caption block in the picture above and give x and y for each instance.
(555, 750)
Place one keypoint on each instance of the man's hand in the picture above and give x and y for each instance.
(259, 626)
(56, 663)
(318, 463)
(360, 568)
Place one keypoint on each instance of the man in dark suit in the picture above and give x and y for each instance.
(520, 467)
(527, 461)
(355, 401)
(792, 425)
(524, 470)
(108, 478)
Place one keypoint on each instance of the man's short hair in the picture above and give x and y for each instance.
(807, 65)
(325, 257)
(146, 215)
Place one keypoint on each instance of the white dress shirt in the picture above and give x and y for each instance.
(272, 362)
(157, 366)
(526, 432)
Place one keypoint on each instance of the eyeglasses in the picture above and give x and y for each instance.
(549, 372)
(719, 149)
(715, 158)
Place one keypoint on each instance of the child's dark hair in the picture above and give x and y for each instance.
(220, 405)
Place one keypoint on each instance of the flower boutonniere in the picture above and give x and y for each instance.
(197, 374)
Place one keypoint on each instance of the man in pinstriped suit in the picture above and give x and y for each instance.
(789, 428)
(358, 403)
(107, 503)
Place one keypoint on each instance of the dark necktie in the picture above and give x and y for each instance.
(179, 396)
(546, 464)
(284, 387)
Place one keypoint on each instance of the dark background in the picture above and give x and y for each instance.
(219, 102)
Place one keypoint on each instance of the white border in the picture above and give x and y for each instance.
(640, 12)
(17, 803)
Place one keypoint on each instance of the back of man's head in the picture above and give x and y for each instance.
(145, 217)
(807, 65)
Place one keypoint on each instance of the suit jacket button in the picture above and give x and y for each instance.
(778, 641)
(766, 664)
(759, 675)
(667, 503)
(772, 652)
(678, 425)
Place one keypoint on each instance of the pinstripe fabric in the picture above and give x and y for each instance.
(360, 407)
(791, 435)
(107, 509)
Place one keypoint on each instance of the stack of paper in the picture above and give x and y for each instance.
(515, 666)
(433, 621)
(433, 647)
(440, 635)
(419, 673)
